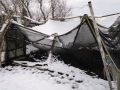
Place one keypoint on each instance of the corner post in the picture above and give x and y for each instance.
(100, 45)
(53, 43)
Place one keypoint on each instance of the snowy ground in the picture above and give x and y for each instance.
(55, 76)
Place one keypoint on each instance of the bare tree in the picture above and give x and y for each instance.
(20, 9)
(26, 4)
(63, 10)
(45, 12)
(41, 7)
(17, 6)
(38, 16)
(59, 9)
(6, 6)
(54, 4)
(56, 9)
(6, 10)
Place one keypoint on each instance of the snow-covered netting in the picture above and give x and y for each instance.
(57, 26)
(108, 20)
(77, 46)
(72, 46)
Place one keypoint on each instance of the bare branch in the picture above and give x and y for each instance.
(26, 4)
(41, 8)
(4, 6)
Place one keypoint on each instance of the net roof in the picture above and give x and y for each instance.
(81, 36)
(57, 26)
(107, 21)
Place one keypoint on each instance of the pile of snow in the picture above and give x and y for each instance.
(56, 76)
(60, 27)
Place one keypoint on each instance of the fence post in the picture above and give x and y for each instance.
(100, 45)
(53, 43)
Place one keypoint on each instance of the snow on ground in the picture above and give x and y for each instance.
(55, 76)
(60, 27)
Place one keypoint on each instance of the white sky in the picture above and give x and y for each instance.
(101, 7)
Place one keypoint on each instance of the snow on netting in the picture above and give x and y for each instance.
(112, 42)
(78, 46)
(68, 38)
(32, 35)
(107, 21)
(37, 39)
(71, 46)
(57, 26)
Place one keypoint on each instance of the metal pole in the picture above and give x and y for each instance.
(100, 45)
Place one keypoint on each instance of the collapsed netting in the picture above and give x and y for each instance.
(78, 45)
(80, 37)
(68, 45)
(112, 42)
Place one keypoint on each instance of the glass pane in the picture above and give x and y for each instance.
(11, 44)
(20, 52)
(12, 54)
(20, 43)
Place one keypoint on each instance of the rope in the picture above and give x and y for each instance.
(108, 15)
(95, 16)
(80, 7)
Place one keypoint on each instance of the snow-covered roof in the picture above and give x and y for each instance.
(60, 27)
(52, 26)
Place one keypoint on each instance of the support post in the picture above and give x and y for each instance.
(53, 43)
(0, 57)
(100, 45)
(118, 79)
(52, 47)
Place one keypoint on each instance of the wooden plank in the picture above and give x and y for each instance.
(100, 45)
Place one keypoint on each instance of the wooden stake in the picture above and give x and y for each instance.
(53, 43)
(100, 45)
